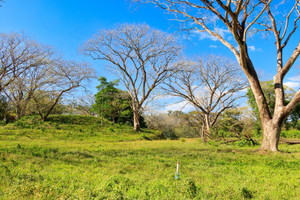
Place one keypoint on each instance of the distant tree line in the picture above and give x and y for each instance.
(34, 79)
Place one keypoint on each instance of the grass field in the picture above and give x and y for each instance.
(75, 158)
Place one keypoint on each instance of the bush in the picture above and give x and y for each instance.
(28, 121)
(245, 143)
(73, 119)
(169, 133)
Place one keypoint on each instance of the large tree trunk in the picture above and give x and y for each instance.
(136, 121)
(203, 138)
(271, 128)
(207, 123)
(271, 134)
(18, 112)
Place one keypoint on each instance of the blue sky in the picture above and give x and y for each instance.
(66, 24)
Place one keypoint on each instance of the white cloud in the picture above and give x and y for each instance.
(291, 84)
(295, 78)
(205, 35)
(213, 46)
(252, 48)
(163, 97)
(294, 82)
(183, 106)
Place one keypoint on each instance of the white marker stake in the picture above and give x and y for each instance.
(177, 175)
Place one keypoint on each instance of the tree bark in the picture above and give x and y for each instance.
(271, 134)
(18, 112)
(207, 123)
(202, 133)
(271, 127)
(136, 121)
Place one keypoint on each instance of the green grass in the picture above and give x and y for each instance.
(82, 160)
(291, 134)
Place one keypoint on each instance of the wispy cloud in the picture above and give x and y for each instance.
(293, 85)
(213, 46)
(205, 35)
(183, 106)
(295, 78)
(294, 82)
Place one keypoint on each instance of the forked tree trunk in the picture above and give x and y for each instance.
(136, 121)
(271, 134)
(271, 127)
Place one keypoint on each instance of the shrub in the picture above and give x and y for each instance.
(169, 133)
(245, 142)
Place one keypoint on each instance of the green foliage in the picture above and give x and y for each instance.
(112, 102)
(28, 121)
(268, 89)
(230, 124)
(290, 134)
(245, 142)
(169, 133)
(3, 107)
(73, 119)
(293, 121)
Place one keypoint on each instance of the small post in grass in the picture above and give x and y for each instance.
(177, 175)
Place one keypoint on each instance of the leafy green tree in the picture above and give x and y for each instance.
(104, 99)
(113, 104)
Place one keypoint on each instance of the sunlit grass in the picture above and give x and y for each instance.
(107, 164)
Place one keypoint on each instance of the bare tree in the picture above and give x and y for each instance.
(211, 85)
(243, 18)
(141, 56)
(18, 54)
(61, 77)
(45, 84)
(17, 95)
(21, 90)
(83, 105)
